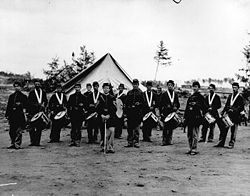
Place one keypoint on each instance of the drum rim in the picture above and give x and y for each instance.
(62, 114)
(171, 116)
(36, 116)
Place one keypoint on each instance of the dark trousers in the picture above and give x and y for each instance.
(93, 129)
(55, 131)
(35, 135)
(118, 128)
(75, 133)
(15, 134)
(204, 130)
(167, 134)
(223, 135)
(193, 134)
(133, 132)
(147, 128)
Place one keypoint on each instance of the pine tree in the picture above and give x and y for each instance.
(162, 57)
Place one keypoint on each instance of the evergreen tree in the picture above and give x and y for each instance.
(162, 57)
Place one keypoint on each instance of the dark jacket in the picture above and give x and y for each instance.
(14, 112)
(134, 104)
(55, 106)
(106, 105)
(77, 106)
(234, 110)
(87, 93)
(91, 106)
(33, 105)
(216, 104)
(195, 109)
(158, 98)
(145, 106)
(166, 107)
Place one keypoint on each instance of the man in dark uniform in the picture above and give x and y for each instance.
(93, 119)
(149, 108)
(76, 111)
(57, 103)
(158, 97)
(234, 106)
(213, 102)
(88, 92)
(169, 103)
(133, 105)
(194, 112)
(106, 110)
(120, 121)
(15, 113)
(37, 101)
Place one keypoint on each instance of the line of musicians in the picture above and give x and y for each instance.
(106, 112)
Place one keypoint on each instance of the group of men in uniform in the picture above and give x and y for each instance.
(103, 113)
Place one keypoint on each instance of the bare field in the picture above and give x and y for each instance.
(56, 169)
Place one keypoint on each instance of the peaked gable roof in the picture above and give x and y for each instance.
(106, 69)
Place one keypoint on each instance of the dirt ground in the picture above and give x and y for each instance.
(56, 169)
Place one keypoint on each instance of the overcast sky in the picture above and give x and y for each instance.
(204, 37)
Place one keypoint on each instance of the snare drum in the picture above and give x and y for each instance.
(209, 118)
(227, 121)
(62, 117)
(40, 120)
(173, 120)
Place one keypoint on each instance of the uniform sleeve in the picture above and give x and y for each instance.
(177, 103)
(218, 103)
(50, 105)
(45, 99)
(226, 107)
(8, 108)
(25, 102)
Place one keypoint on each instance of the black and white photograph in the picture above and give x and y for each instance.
(124, 97)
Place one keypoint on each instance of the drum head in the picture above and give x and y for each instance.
(36, 116)
(169, 117)
(60, 115)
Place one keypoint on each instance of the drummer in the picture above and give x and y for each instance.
(193, 116)
(76, 111)
(214, 103)
(149, 106)
(15, 113)
(234, 106)
(57, 103)
(37, 101)
(169, 103)
(159, 93)
(93, 119)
